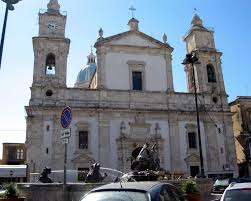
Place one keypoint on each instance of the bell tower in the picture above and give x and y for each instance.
(51, 48)
(208, 71)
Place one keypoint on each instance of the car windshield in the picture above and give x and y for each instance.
(221, 182)
(238, 195)
(117, 196)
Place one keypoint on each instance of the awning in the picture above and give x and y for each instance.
(13, 171)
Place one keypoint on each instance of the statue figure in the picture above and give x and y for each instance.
(44, 176)
(94, 175)
(147, 159)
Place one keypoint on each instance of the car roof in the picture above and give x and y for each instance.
(145, 186)
(234, 186)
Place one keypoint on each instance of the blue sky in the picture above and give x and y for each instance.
(231, 20)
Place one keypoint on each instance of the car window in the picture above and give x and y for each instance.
(221, 182)
(165, 195)
(116, 196)
(177, 194)
(169, 193)
(237, 195)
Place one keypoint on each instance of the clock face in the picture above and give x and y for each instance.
(52, 27)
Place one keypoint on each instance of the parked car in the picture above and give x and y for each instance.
(2, 189)
(135, 191)
(237, 192)
(221, 184)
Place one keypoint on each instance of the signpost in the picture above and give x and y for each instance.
(66, 117)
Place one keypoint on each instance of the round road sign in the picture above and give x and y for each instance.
(66, 117)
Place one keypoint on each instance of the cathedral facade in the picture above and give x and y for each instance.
(125, 98)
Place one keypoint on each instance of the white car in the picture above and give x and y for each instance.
(2, 190)
(237, 192)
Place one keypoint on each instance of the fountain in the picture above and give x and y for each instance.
(145, 167)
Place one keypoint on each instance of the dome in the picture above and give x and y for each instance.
(85, 75)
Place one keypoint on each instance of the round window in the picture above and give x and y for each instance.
(49, 93)
(215, 99)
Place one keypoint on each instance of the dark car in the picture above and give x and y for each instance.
(135, 191)
(221, 184)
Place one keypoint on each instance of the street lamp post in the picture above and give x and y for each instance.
(157, 128)
(9, 6)
(192, 59)
(11, 174)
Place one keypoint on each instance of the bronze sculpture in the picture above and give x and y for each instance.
(94, 176)
(44, 175)
(147, 159)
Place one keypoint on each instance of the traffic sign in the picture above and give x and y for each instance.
(65, 140)
(66, 117)
(65, 133)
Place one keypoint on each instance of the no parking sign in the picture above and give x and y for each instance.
(66, 117)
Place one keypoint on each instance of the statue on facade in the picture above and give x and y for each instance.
(147, 159)
(94, 175)
(44, 175)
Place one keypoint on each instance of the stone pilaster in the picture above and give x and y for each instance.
(104, 142)
(100, 68)
(169, 72)
(174, 144)
(230, 147)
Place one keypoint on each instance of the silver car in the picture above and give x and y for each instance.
(135, 191)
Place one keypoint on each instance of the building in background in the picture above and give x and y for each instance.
(241, 107)
(13, 167)
(14, 154)
(130, 101)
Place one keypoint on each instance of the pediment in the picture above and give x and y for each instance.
(192, 158)
(83, 158)
(134, 39)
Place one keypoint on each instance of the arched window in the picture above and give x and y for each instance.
(211, 73)
(50, 64)
(20, 154)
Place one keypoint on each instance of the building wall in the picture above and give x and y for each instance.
(241, 109)
(154, 65)
(103, 114)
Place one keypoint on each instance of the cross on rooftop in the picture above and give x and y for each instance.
(132, 9)
(195, 11)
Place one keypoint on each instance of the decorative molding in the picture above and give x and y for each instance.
(191, 127)
(134, 62)
(192, 158)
